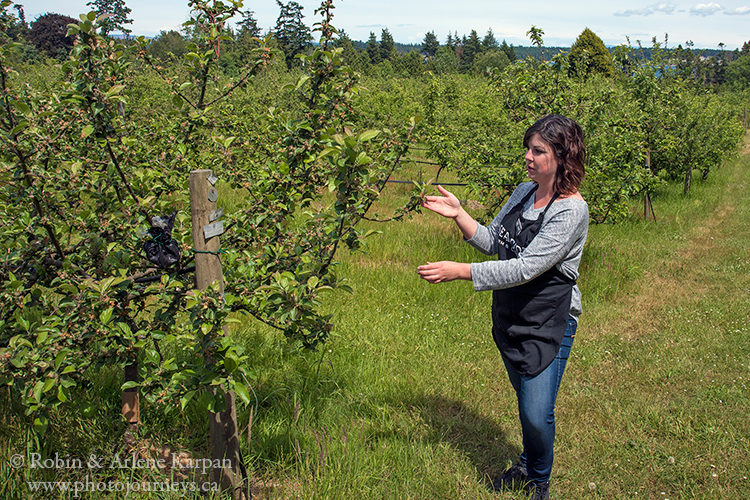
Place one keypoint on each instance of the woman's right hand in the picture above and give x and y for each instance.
(447, 205)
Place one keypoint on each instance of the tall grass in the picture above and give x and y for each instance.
(409, 397)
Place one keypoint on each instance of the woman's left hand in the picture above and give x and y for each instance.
(445, 270)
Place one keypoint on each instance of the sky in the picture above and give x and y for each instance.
(705, 24)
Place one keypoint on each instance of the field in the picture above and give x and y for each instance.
(353, 377)
(409, 399)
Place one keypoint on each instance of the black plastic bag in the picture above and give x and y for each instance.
(162, 249)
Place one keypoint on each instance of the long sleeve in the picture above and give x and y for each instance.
(559, 242)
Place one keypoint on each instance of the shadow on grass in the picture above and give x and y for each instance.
(480, 438)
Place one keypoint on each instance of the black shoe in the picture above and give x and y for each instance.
(538, 491)
(515, 477)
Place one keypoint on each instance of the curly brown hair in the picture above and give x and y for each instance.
(566, 138)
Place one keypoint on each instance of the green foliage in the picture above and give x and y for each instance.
(471, 48)
(386, 47)
(508, 49)
(588, 55)
(90, 155)
(738, 72)
(445, 61)
(168, 44)
(248, 25)
(487, 62)
(535, 35)
(115, 14)
(83, 172)
(373, 49)
(293, 36)
(489, 42)
(430, 44)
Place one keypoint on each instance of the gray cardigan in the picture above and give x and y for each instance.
(559, 243)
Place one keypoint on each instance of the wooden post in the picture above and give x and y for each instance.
(130, 403)
(744, 114)
(131, 407)
(647, 207)
(225, 443)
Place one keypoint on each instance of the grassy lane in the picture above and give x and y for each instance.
(410, 399)
(656, 405)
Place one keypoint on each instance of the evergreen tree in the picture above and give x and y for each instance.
(430, 44)
(118, 15)
(449, 41)
(248, 26)
(290, 32)
(508, 49)
(246, 40)
(588, 55)
(387, 46)
(472, 46)
(489, 42)
(373, 50)
(445, 61)
(351, 56)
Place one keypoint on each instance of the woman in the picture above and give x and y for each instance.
(538, 236)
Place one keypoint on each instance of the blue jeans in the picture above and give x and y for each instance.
(536, 408)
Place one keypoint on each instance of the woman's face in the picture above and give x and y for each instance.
(541, 162)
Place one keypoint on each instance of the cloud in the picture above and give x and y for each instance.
(706, 9)
(657, 8)
(739, 11)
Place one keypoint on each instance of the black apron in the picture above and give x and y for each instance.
(529, 320)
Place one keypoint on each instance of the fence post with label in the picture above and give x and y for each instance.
(207, 227)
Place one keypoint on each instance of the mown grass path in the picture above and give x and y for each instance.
(659, 406)
(411, 399)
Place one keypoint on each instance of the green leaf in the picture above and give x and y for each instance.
(116, 89)
(40, 425)
(303, 79)
(61, 394)
(105, 316)
(22, 125)
(242, 392)
(48, 384)
(130, 384)
(367, 135)
(37, 391)
(231, 362)
(22, 107)
(184, 400)
(87, 130)
(41, 337)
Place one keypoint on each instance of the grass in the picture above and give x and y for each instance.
(409, 397)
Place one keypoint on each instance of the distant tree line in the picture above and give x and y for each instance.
(46, 37)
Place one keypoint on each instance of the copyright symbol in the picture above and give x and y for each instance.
(17, 461)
